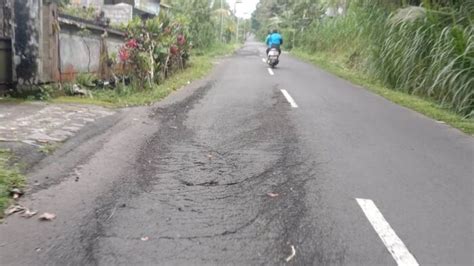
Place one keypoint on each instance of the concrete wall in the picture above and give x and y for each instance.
(80, 51)
(87, 2)
(26, 41)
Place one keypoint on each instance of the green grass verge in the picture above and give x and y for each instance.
(199, 66)
(336, 65)
(10, 100)
(10, 177)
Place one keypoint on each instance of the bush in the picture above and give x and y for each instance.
(154, 49)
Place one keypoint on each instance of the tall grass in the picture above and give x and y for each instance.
(431, 57)
(417, 50)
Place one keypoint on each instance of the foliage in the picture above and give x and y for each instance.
(158, 47)
(35, 92)
(85, 79)
(154, 48)
(202, 28)
(427, 50)
(89, 13)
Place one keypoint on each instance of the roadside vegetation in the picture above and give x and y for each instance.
(125, 96)
(419, 54)
(10, 178)
(160, 55)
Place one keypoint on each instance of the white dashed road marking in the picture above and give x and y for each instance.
(270, 71)
(388, 236)
(289, 99)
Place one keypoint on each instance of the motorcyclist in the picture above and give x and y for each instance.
(268, 36)
(274, 40)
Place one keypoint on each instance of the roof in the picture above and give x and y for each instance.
(164, 5)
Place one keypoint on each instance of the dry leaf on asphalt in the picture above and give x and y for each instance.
(16, 193)
(13, 209)
(28, 213)
(272, 195)
(293, 253)
(47, 216)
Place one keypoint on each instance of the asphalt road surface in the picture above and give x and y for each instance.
(255, 166)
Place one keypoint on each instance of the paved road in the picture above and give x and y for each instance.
(353, 180)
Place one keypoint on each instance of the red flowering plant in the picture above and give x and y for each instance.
(153, 48)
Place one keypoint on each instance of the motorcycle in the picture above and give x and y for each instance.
(273, 57)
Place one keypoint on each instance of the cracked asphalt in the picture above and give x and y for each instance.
(187, 181)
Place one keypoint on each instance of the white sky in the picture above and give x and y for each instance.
(245, 8)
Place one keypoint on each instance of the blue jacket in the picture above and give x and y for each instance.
(274, 39)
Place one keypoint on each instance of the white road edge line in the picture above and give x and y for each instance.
(289, 99)
(392, 242)
(270, 71)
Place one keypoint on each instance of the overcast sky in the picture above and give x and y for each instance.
(244, 9)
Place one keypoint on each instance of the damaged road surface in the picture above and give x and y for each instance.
(247, 167)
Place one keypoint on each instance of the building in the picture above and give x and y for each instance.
(122, 11)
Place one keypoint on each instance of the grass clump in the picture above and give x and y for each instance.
(10, 177)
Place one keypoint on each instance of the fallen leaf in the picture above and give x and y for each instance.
(272, 195)
(292, 255)
(47, 216)
(28, 214)
(16, 193)
(13, 209)
(144, 238)
(209, 156)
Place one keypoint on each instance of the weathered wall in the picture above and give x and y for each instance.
(80, 50)
(5, 16)
(5, 46)
(26, 42)
(47, 47)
